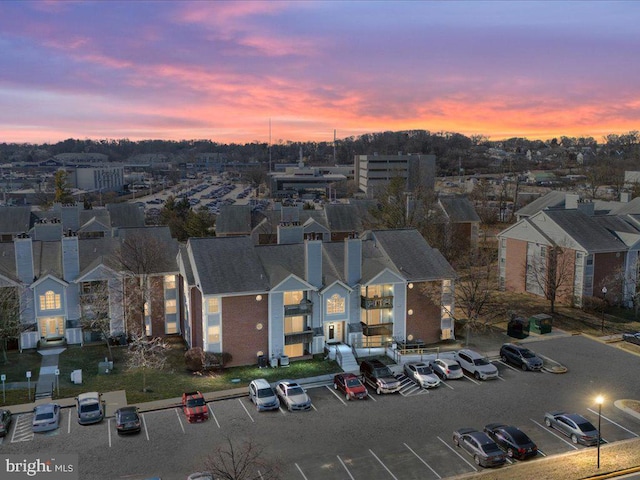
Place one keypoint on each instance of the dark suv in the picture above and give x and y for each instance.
(379, 376)
(520, 357)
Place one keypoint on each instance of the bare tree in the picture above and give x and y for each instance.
(146, 353)
(95, 309)
(244, 461)
(10, 325)
(550, 274)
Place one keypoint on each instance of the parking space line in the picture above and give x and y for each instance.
(301, 472)
(144, 421)
(457, 453)
(419, 458)
(179, 420)
(508, 366)
(383, 465)
(337, 396)
(245, 409)
(109, 431)
(314, 407)
(500, 378)
(371, 396)
(213, 414)
(23, 429)
(616, 424)
(345, 467)
(554, 434)
(542, 453)
(446, 384)
(471, 380)
(69, 424)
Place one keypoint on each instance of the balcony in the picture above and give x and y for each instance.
(384, 329)
(372, 303)
(298, 337)
(303, 308)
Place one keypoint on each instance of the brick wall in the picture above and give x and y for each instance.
(240, 335)
(516, 265)
(156, 300)
(424, 324)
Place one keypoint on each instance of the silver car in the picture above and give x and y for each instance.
(90, 408)
(446, 368)
(422, 374)
(263, 396)
(480, 446)
(46, 417)
(476, 364)
(292, 395)
(574, 426)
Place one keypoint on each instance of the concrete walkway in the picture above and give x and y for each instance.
(47, 376)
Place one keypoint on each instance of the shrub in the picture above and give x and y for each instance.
(195, 359)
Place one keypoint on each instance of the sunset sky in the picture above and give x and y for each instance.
(222, 70)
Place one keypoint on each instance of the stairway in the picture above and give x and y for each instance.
(345, 358)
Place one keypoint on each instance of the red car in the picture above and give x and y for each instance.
(194, 406)
(350, 385)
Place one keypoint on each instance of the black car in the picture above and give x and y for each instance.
(632, 337)
(379, 376)
(480, 446)
(127, 420)
(520, 357)
(512, 440)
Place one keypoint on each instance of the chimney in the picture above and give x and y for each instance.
(586, 207)
(571, 201)
(352, 260)
(24, 259)
(313, 262)
(70, 258)
(625, 197)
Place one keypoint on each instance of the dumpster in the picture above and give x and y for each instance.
(541, 323)
(518, 327)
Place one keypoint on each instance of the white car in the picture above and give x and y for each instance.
(293, 396)
(263, 396)
(446, 368)
(422, 374)
(46, 417)
(476, 364)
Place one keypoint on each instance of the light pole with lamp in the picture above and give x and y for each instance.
(604, 302)
(599, 401)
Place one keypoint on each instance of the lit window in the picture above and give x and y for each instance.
(147, 310)
(170, 306)
(293, 324)
(293, 298)
(335, 304)
(169, 282)
(213, 305)
(171, 327)
(50, 301)
(213, 334)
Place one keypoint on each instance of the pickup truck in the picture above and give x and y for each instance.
(194, 407)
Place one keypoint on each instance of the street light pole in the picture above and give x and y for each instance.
(604, 303)
(599, 400)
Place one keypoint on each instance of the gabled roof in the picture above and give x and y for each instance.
(552, 199)
(165, 246)
(15, 220)
(126, 215)
(47, 259)
(352, 217)
(632, 207)
(412, 256)
(227, 265)
(459, 209)
(234, 220)
(280, 261)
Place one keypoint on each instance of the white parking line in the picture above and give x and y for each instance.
(508, 366)
(616, 424)
(109, 430)
(213, 414)
(471, 380)
(371, 396)
(446, 384)
(500, 378)
(245, 409)
(301, 472)
(179, 420)
(337, 396)
(419, 458)
(314, 407)
(144, 422)
(69, 424)
(554, 434)
(23, 428)
(458, 454)
(345, 467)
(383, 465)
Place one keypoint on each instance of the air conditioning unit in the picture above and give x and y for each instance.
(284, 361)
(447, 334)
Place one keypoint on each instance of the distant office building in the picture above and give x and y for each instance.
(373, 172)
(95, 178)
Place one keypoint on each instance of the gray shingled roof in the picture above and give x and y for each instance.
(552, 199)
(162, 242)
(459, 209)
(353, 217)
(227, 265)
(126, 215)
(234, 220)
(14, 220)
(412, 255)
(47, 258)
(585, 230)
(632, 207)
(280, 261)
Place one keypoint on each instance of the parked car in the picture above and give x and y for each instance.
(46, 417)
(574, 426)
(200, 476)
(292, 395)
(5, 421)
(127, 420)
(485, 452)
(263, 396)
(379, 376)
(520, 357)
(632, 337)
(446, 368)
(512, 440)
(194, 407)
(476, 364)
(90, 408)
(350, 386)
(422, 374)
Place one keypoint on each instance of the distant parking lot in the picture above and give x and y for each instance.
(407, 435)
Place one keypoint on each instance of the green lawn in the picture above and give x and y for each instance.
(168, 383)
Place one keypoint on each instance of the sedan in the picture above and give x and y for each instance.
(46, 417)
(632, 337)
(293, 396)
(520, 357)
(485, 451)
(127, 420)
(422, 374)
(446, 368)
(512, 440)
(5, 422)
(350, 385)
(574, 426)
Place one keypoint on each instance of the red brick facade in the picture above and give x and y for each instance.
(515, 277)
(424, 324)
(240, 333)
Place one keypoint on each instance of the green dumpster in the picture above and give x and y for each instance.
(541, 323)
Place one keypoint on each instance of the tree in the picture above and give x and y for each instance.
(394, 209)
(62, 192)
(95, 309)
(199, 223)
(244, 461)
(146, 353)
(10, 325)
(550, 273)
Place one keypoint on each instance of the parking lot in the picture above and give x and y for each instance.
(396, 436)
